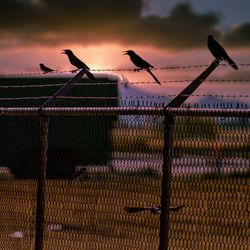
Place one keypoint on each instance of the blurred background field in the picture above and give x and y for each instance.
(88, 213)
(122, 158)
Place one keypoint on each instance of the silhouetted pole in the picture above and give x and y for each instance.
(40, 200)
(64, 90)
(183, 96)
(43, 151)
(167, 150)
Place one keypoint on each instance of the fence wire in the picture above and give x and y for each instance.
(106, 91)
(163, 68)
(103, 183)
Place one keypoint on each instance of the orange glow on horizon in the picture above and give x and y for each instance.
(103, 56)
(109, 56)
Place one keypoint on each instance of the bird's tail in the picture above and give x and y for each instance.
(155, 78)
(231, 62)
(90, 75)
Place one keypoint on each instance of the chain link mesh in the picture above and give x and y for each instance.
(101, 168)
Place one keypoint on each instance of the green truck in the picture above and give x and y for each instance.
(83, 140)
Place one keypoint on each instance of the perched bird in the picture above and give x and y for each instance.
(78, 63)
(219, 52)
(153, 210)
(45, 69)
(141, 63)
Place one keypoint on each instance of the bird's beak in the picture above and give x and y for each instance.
(125, 52)
(63, 52)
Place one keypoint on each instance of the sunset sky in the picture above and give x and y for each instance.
(164, 32)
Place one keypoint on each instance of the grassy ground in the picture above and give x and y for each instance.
(215, 216)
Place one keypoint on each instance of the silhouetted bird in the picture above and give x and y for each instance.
(153, 210)
(219, 52)
(45, 69)
(78, 63)
(141, 63)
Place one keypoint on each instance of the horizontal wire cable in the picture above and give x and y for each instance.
(190, 80)
(154, 96)
(125, 83)
(121, 98)
(24, 98)
(32, 86)
(119, 83)
(155, 68)
(174, 67)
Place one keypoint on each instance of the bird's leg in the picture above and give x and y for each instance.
(74, 70)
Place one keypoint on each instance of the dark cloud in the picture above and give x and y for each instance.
(239, 36)
(52, 14)
(183, 28)
(56, 22)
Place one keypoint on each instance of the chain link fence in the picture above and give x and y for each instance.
(105, 172)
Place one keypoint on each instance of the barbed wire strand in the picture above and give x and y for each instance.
(118, 83)
(174, 67)
(122, 98)
(155, 96)
(24, 98)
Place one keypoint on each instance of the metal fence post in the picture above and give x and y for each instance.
(43, 150)
(40, 202)
(166, 181)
